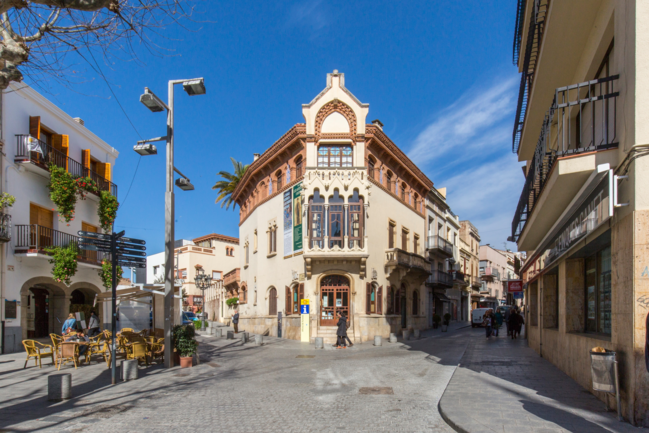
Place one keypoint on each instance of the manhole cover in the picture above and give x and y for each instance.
(376, 390)
(305, 356)
(213, 364)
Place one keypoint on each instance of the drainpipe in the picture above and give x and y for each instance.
(540, 301)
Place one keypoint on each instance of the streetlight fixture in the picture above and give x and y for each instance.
(203, 282)
(193, 86)
(146, 149)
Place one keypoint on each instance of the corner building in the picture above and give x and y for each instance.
(333, 212)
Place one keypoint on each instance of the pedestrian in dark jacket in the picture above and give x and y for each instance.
(508, 313)
(498, 321)
(346, 337)
(93, 325)
(488, 322)
(516, 322)
(341, 332)
(235, 321)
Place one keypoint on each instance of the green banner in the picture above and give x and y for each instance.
(297, 218)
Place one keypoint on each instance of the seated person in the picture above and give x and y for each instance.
(79, 337)
(69, 324)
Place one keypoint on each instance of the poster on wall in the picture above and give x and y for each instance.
(288, 223)
(297, 218)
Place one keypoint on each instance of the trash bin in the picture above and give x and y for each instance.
(603, 369)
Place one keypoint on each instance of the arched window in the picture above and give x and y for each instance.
(272, 302)
(388, 181)
(336, 223)
(288, 173)
(355, 220)
(244, 295)
(299, 166)
(263, 191)
(371, 162)
(294, 296)
(403, 191)
(374, 299)
(316, 219)
(416, 201)
(279, 179)
(415, 303)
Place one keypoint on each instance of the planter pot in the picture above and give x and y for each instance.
(435, 325)
(444, 328)
(186, 361)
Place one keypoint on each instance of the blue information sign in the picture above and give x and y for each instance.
(518, 295)
(304, 309)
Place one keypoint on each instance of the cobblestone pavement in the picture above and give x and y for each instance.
(504, 386)
(282, 386)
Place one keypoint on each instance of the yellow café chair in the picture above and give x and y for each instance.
(38, 351)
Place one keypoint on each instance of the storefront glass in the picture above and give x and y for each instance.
(598, 292)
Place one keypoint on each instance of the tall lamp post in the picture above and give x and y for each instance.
(203, 282)
(195, 86)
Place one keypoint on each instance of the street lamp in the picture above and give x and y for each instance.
(194, 86)
(203, 282)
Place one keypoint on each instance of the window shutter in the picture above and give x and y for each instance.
(85, 160)
(35, 127)
(65, 149)
(108, 174)
(288, 301)
(368, 297)
(301, 294)
(56, 142)
(379, 300)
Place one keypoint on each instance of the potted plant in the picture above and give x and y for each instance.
(184, 344)
(447, 321)
(436, 320)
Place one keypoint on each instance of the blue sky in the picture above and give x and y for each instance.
(438, 74)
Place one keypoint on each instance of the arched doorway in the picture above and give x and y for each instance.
(272, 302)
(77, 297)
(334, 298)
(38, 316)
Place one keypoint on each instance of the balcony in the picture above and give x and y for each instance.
(439, 279)
(5, 227)
(440, 245)
(577, 134)
(460, 278)
(406, 264)
(40, 154)
(232, 278)
(490, 274)
(32, 240)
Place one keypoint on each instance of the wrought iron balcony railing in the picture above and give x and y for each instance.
(35, 238)
(5, 227)
(398, 257)
(439, 243)
(42, 154)
(582, 118)
(440, 278)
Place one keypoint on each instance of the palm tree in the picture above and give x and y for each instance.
(227, 186)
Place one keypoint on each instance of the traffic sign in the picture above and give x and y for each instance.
(120, 234)
(133, 241)
(304, 309)
(304, 301)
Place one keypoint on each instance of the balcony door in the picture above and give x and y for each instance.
(42, 224)
(90, 255)
(334, 298)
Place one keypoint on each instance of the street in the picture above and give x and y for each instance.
(289, 386)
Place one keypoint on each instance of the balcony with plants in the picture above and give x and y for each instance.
(577, 134)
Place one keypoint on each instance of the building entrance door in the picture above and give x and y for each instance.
(334, 298)
(41, 312)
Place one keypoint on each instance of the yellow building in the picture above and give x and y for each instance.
(583, 219)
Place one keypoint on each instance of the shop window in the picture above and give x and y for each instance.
(598, 292)
(334, 156)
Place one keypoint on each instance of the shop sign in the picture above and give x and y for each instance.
(514, 286)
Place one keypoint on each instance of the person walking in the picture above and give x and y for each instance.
(341, 331)
(498, 318)
(68, 324)
(346, 337)
(515, 323)
(508, 313)
(93, 324)
(235, 321)
(488, 322)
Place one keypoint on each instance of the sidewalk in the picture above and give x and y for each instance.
(501, 385)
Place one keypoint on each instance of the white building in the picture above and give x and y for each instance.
(33, 303)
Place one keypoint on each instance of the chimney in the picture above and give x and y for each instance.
(442, 191)
(80, 121)
(378, 124)
(255, 157)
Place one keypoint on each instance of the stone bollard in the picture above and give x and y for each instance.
(417, 334)
(244, 337)
(59, 387)
(406, 335)
(377, 340)
(319, 343)
(129, 369)
(230, 335)
(393, 337)
(259, 340)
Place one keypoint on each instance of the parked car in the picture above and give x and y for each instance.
(189, 317)
(477, 316)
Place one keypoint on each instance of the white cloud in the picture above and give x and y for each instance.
(308, 14)
(467, 150)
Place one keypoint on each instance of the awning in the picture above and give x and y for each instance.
(134, 293)
(442, 297)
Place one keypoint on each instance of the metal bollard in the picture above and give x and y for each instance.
(417, 334)
(393, 337)
(319, 343)
(259, 340)
(377, 340)
(406, 335)
(59, 387)
(230, 335)
(129, 369)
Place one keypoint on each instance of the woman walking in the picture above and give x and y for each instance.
(488, 322)
(516, 322)
(498, 322)
(341, 332)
